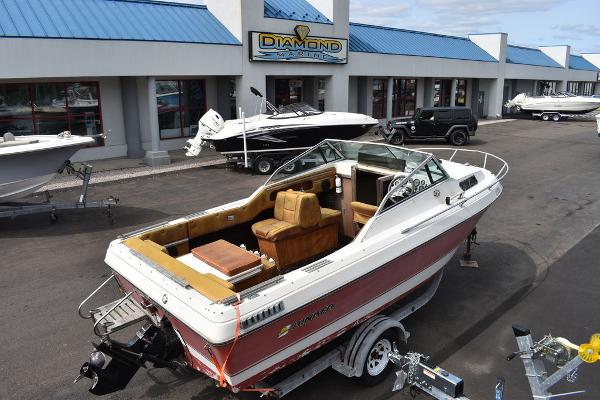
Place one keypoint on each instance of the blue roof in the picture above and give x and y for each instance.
(578, 62)
(296, 10)
(529, 56)
(383, 40)
(112, 20)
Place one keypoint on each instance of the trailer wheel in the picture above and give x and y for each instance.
(377, 364)
(545, 117)
(292, 168)
(264, 165)
(556, 117)
(459, 137)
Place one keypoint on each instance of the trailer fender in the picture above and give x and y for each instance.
(363, 338)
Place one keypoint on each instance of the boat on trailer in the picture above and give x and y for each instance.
(29, 162)
(242, 290)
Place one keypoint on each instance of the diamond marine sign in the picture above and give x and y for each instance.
(297, 48)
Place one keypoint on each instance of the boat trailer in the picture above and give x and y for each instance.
(365, 353)
(83, 172)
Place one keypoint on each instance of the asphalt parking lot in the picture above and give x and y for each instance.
(538, 255)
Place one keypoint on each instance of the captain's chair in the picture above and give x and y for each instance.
(361, 214)
(300, 230)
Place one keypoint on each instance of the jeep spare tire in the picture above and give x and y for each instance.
(459, 137)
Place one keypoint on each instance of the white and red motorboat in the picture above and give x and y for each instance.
(239, 291)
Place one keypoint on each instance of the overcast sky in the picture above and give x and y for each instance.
(528, 22)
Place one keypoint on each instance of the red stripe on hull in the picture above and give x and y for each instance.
(264, 342)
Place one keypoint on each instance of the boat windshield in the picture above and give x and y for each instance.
(329, 151)
(295, 110)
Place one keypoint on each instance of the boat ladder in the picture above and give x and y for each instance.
(114, 316)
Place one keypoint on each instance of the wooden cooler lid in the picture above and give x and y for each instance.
(226, 257)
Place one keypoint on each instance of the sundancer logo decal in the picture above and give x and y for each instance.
(299, 47)
(301, 322)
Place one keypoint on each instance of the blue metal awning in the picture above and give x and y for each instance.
(112, 20)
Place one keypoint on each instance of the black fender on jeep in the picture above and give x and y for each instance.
(462, 127)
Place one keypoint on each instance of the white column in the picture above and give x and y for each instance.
(389, 98)
(495, 98)
(453, 92)
(336, 92)
(155, 156)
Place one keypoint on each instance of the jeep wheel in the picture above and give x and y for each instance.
(459, 137)
(398, 137)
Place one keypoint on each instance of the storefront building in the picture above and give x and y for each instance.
(143, 72)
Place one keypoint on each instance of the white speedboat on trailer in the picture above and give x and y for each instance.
(29, 162)
(563, 102)
(241, 290)
(292, 128)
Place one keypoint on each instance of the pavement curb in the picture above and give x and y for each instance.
(68, 182)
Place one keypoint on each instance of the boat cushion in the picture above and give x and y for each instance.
(298, 208)
(329, 216)
(168, 234)
(273, 228)
(226, 257)
(208, 285)
(362, 212)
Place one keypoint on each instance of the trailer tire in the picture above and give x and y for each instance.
(292, 169)
(264, 165)
(556, 117)
(377, 363)
(545, 117)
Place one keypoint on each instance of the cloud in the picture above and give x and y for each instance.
(384, 13)
(581, 29)
(498, 7)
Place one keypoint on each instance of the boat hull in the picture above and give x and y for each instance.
(260, 352)
(288, 138)
(566, 108)
(23, 173)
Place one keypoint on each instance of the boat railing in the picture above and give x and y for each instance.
(461, 199)
(502, 168)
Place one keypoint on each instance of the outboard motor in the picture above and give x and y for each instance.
(517, 101)
(210, 123)
(159, 346)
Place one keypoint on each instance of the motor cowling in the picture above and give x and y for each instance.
(210, 123)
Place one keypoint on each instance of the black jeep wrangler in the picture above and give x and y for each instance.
(455, 124)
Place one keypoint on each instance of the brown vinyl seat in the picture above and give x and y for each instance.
(362, 212)
(300, 229)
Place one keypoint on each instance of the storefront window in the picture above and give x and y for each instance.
(581, 88)
(405, 97)
(321, 83)
(180, 105)
(546, 88)
(461, 92)
(287, 91)
(442, 92)
(50, 108)
(379, 98)
(587, 88)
